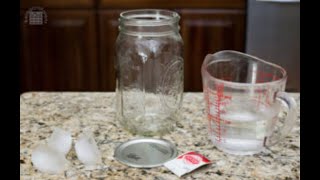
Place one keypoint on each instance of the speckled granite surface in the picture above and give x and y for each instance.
(75, 112)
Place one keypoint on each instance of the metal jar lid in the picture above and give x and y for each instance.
(145, 152)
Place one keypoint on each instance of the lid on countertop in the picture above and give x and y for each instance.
(145, 152)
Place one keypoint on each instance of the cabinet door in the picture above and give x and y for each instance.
(26, 4)
(108, 21)
(207, 31)
(60, 54)
(171, 4)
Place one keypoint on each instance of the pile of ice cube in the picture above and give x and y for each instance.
(51, 157)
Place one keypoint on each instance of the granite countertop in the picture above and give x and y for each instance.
(76, 112)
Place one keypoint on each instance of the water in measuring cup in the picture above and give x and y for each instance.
(241, 128)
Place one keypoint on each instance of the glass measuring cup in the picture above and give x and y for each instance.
(244, 98)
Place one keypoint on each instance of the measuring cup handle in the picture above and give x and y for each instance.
(290, 119)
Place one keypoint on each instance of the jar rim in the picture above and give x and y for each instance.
(148, 17)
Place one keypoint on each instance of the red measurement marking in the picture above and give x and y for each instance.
(219, 100)
(207, 97)
(259, 100)
(267, 96)
(219, 96)
(264, 94)
(264, 76)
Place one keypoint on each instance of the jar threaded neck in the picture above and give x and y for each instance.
(149, 21)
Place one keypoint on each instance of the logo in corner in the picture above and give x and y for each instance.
(36, 16)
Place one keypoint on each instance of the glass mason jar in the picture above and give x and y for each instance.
(149, 71)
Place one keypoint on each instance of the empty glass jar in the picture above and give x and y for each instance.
(149, 71)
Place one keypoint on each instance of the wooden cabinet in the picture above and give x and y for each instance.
(57, 4)
(60, 55)
(108, 20)
(75, 51)
(206, 32)
(173, 4)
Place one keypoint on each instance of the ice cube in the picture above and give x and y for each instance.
(60, 141)
(48, 160)
(87, 150)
